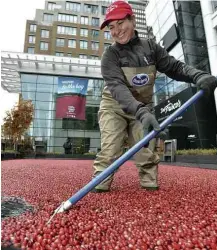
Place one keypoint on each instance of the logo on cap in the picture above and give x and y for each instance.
(111, 8)
(140, 79)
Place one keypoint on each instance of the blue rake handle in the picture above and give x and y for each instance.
(116, 164)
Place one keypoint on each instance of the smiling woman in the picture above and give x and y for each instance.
(122, 30)
(129, 67)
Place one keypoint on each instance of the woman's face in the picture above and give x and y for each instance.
(122, 30)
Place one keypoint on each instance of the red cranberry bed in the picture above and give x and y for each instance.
(181, 215)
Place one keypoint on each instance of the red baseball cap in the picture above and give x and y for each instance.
(116, 11)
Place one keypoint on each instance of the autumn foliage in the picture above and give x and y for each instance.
(18, 120)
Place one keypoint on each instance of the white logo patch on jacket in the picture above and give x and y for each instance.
(140, 80)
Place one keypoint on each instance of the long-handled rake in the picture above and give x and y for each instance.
(116, 164)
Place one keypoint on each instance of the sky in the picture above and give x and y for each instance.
(13, 23)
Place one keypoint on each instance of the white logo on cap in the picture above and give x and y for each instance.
(111, 8)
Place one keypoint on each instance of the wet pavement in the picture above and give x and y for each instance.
(13, 206)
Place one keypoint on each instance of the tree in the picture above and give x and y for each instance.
(18, 120)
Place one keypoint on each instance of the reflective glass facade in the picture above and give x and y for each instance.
(191, 48)
(192, 33)
(161, 16)
(166, 87)
(196, 128)
(52, 132)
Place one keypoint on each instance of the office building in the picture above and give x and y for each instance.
(187, 30)
(37, 78)
(139, 7)
(66, 28)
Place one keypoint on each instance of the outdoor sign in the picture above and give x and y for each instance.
(170, 39)
(71, 97)
(196, 126)
(71, 107)
(72, 85)
(166, 108)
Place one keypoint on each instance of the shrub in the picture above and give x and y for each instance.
(198, 151)
(90, 153)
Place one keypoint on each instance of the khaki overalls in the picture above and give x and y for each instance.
(116, 126)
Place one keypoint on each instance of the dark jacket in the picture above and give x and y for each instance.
(134, 50)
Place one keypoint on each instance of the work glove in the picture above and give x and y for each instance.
(208, 83)
(147, 119)
(163, 134)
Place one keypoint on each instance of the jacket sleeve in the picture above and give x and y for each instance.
(173, 68)
(115, 81)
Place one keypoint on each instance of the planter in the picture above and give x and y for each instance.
(198, 159)
(62, 156)
(70, 156)
(12, 156)
(9, 156)
(29, 156)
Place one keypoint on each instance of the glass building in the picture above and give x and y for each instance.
(187, 30)
(36, 79)
(42, 90)
(178, 27)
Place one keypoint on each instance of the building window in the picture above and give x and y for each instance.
(95, 33)
(82, 56)
(94, 45)
(31, 39)
(59, 54)
(94, 57)
(107, 35)
(192, 34)
(91, 8)
(32, 27)
(51, 6)
(95, 22)
(84, 20)
(43, 46)
(31, 50)
(48, 17)
(73, 6)
(72, 43)
(87, 8)
(60, 42)
(95, 9)
(84, 32)
(69, 54)
(66, 30)
(45, 33)
(104, 10)
(67, 18)
(83, 44)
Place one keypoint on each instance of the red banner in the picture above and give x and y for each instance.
(71, 107)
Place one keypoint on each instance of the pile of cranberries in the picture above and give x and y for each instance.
(181, 215)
